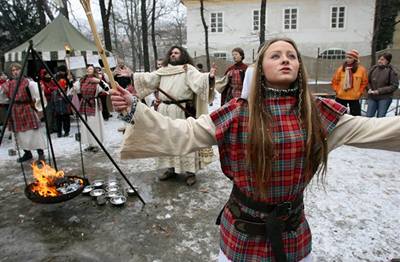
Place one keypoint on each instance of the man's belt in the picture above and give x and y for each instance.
(281, 218)
(168, 102)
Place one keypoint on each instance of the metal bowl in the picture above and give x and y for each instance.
(97, 192)
(112, 182)
(118, 200)
(111, 194)
(112, 188)
(87, 189)
(130, 191)
(98, 183)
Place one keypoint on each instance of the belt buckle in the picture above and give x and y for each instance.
(282, 211)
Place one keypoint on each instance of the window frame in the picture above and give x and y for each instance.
(335, 55)
(331, 22)
(253, 20)
(220, 53)
(290, 19)
(216, 22)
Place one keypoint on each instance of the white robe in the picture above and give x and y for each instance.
(181, 84)
(96, 122)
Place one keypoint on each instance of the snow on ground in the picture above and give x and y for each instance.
(354, 215)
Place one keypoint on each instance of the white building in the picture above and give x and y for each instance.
(330, 26)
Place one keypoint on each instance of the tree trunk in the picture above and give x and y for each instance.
(40, 10)
(64, 8)
(153, 33)
(114, 29)
(262, 21)
(377, 22)
(47, 10)
(130, 31)
(138, 33)
(105, 18)
(146, 60)
(205, 34)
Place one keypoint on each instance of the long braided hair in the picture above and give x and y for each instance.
(260, 150)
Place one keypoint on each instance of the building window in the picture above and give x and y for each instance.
(337, 17)
(217, 22)
(221, 55)
(333, 53)
(256, 20)
(290, 19)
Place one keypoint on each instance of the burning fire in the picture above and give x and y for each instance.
(45, 177)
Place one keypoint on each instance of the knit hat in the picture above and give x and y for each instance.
(353, 54)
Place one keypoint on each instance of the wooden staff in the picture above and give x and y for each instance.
(100, 49)
(88, 11)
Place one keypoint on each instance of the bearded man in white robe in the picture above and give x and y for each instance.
(180, 85)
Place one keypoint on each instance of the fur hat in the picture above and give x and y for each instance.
(353, 54)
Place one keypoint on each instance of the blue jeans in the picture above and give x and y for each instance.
(380, 106)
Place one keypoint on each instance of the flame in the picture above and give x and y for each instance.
(45, 177)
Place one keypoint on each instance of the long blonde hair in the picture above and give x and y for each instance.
(260, 149)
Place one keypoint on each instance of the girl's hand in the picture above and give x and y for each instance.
(121, 99)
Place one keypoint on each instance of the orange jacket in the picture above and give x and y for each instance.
(360, 82)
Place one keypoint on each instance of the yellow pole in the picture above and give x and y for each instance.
(100, 49)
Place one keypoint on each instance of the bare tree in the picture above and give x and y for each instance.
(262, 21)
(377, 22)
(205, 34)
(114, 28)
(64, 8)
(126, 15)
(130, 30)
(153, 32)
(47, 9)
(105, 18)
(138, 33)
(42, 15)
(146, 60)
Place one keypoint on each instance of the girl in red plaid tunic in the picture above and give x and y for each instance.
(270, 146)
(232, 83)
(24, 121)
(89, 88)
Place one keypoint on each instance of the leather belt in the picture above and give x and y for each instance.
(176, 102)
(280, 218)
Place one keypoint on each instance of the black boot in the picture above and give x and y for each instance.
(190, 178)
(27, 156)
(41, 155)
(168, 174)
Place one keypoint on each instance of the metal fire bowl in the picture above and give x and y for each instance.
(57, 199)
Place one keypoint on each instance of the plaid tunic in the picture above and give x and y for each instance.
(88, 92)
(287, 181)
(23, 114)
(235, 85)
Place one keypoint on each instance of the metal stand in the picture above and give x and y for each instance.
(35, 56)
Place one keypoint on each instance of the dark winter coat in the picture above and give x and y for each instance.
(384, 79)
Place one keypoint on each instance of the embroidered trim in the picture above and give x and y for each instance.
(129, 117)
(273, 92)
